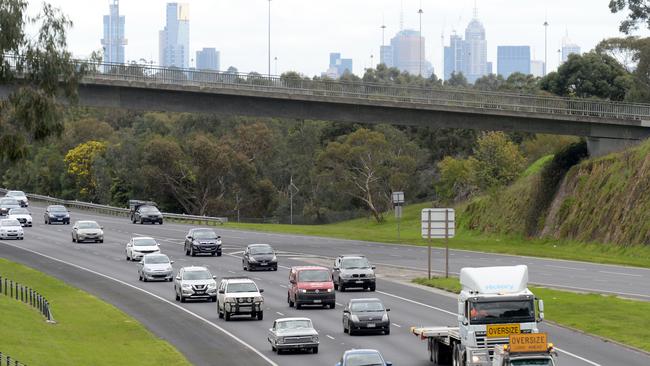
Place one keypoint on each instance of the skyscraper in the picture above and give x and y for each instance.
(338, 66)
(454, 55)
(405, 51)
(568, 48)
(386, 56)
(537, 68)
(208, 59)
(174, 39)
(475, 50)
(113, 42)
(511, 59)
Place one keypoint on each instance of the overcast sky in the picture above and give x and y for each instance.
(304, 32)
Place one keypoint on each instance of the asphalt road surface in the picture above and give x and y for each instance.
(195, 329)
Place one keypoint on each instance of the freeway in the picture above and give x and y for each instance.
(195, 328)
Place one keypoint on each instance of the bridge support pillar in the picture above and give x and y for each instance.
(599, 146)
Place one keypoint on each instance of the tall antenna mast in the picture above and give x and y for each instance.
(401, 16)
(475, 10)
(383, 30)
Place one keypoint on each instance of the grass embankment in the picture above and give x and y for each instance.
(386, 232)
(88, 331)
(606, 316)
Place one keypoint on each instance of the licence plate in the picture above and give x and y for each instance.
(317, 301)
(200, 292)
(371, 325)
(502, 330)
(359, 281)
(263, 264)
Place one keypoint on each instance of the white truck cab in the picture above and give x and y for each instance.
(493, 304)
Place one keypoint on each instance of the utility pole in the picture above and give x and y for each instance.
(269, 55)
(420, 13)
(275, 59)
(545, 46)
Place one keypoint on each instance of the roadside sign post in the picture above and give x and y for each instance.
(438, 223)
(398, 201)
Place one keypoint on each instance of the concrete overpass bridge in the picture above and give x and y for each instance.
(608, 126)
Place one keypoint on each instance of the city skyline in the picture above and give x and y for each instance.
(356, 33)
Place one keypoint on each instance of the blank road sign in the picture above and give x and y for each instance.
(434, 218)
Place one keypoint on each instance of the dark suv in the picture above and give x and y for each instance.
(56, 213)
(353, 270)
(259, 256)
(202, 241)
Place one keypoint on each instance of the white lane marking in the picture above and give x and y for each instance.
(197, 316)
(578, 357)
(283, 286)
(339, 304)
(621, 274)
(257, 278)
(563, 267)
(454, 314)
(231, 272)
(330, 337)
(397, 325)
(279, 313)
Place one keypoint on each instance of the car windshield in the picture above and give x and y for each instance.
(88, 225)
(261, 249)
(58, 209)
(9, 222)
(156, 259)
(204, 234)
(8, 201)
(294, 324)
(241, 287)
(364, 359)
(18, 211)
(149, 209)
(144, 242)
(531, 362)
(15, 193)
(197, 275)
(317, 275)
(370, 306)
(517, 311)
(351, 263)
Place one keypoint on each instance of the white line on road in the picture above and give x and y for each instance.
(339, 304)
(578, 357)
(279, 313)
(197, 316)
(231, 271)
(563, 267)
(330, 337)
(397, 325)
(621, 274)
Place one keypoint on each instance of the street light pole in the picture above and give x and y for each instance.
(269, 55)
(545, 47)
(420, 13)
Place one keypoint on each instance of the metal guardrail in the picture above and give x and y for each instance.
(118, 211)
(6, 360)
(26, 295)
(156, 76)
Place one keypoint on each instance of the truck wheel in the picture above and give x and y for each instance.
(458, 356)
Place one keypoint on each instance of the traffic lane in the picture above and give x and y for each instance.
(201, 344)
(327, 321)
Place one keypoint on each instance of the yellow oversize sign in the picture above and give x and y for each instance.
(502, 330)
(534, 342)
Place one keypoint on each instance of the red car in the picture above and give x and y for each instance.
(311, 285)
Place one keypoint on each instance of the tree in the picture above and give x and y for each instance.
(639, 11)
(47, 72)
(457, 79)
(633, 53)
(456, 178)
(589, 75)
(80, 162)
(366, 166)
(497, 161)
(490, 82)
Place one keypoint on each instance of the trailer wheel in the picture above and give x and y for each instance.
(458, 355)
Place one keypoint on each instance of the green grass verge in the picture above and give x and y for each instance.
(537, 166)
(606, 316)
(386, 232)
(88, 331)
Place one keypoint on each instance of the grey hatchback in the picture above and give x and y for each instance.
(368, 315)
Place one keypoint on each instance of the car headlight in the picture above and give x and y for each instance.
(67, 215)
(302, 290)
(274, 259)
(329, 290)
(230, 300)
(212, 285)
(252, 259)
(384, 318)
(280, 340)
(346, 276)
(314, 338)
(258, 299)
(218, 241)
(185, 285)
(354, 318)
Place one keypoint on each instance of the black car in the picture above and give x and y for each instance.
(147, 213)
(56, 213)
(202, 241)
(366, 315)
(259, 256)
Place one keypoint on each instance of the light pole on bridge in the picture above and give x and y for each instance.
(420, 61)
(269, 44)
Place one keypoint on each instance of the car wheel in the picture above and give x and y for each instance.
(226, 315)
(387, 331)
(218, 254)
(219, 313)
(341, 287)
(139, 277)
(345, 329)
(273, 349)
(73, 239)
(141, 222)
(243, 266)
(336, 286)
(213, 299)
(260, 315)
(350, 329)
(275, 268)
(144, 279)
(332, 305)
(182, 298)
(101, 241)
(192, 254)
(187, 251)
(161, 222)
(373, 287)
(213, 254)
(177, 298)
(298, 306)
(314, 350)
(127, 257)
(291, 303)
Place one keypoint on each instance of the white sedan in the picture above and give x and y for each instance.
(87, 231)
(18, 196)
(11, 229)
(22, 215)
(138, 246)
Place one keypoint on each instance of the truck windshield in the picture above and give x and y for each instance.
(518, 311)
(531, 362)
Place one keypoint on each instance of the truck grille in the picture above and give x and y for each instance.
(199, 287)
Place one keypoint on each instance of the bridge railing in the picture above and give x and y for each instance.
(354, 91)
(119, 211)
